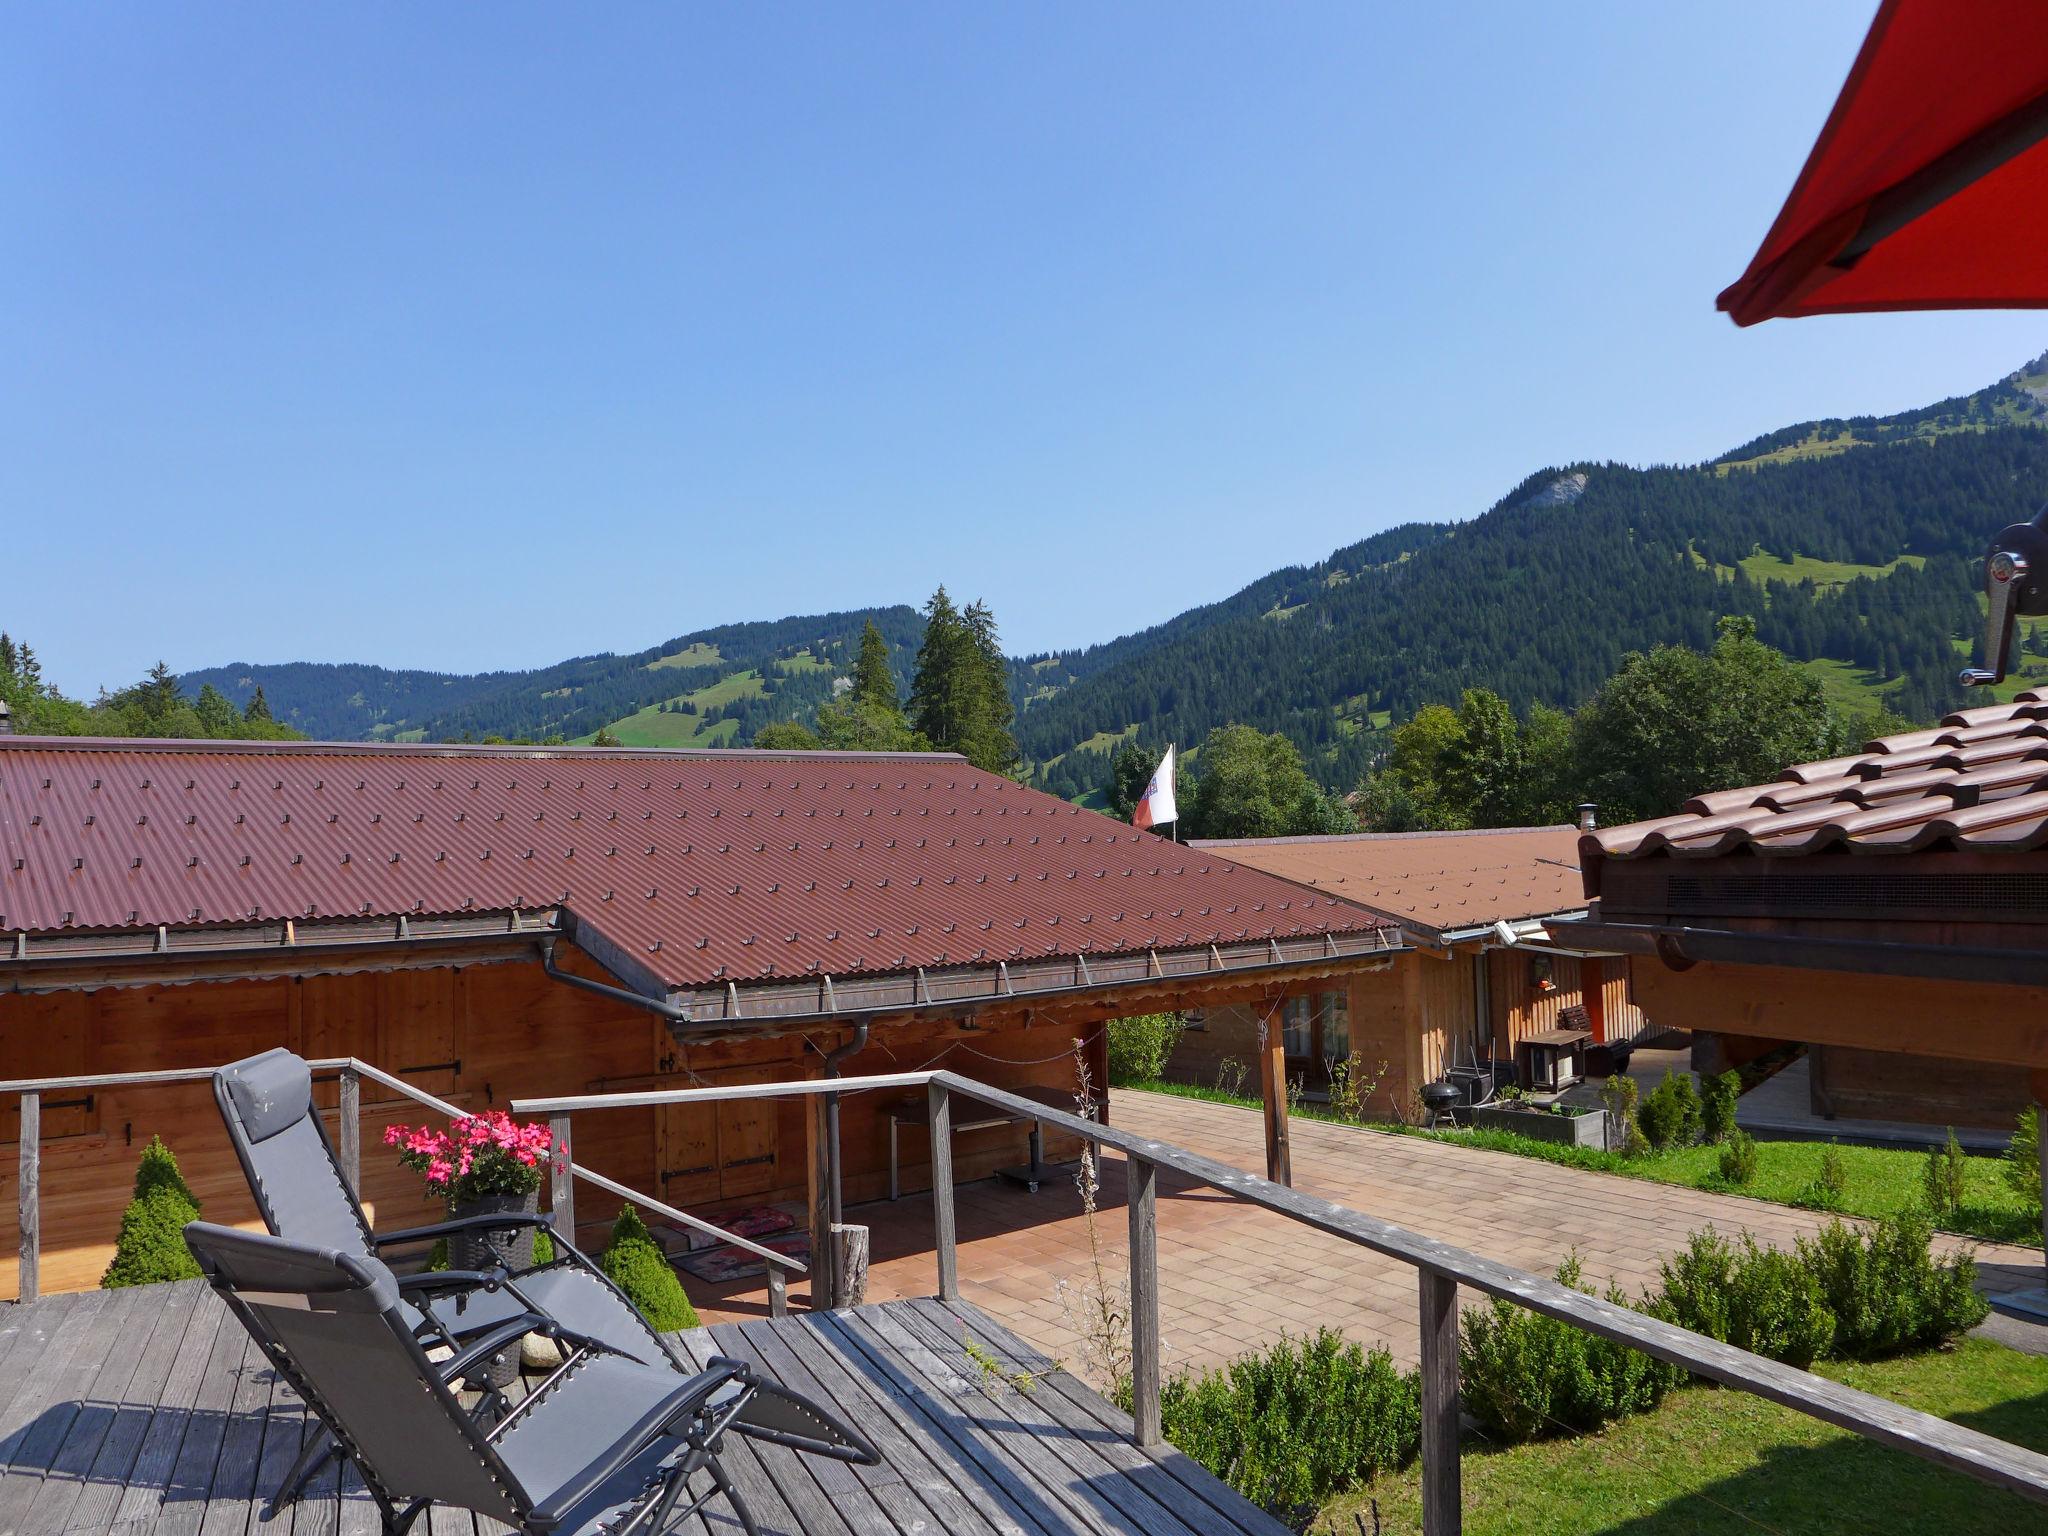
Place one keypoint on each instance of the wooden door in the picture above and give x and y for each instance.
(749, 1151)
(419, 1039)
(686, 1148)
(48, 1035)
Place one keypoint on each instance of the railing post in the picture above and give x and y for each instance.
(1141, 1178)
(1442, 1498)
(561, 1182)
(943, 1240)
(778, 1292)
(28, 1270)
(352, 1130)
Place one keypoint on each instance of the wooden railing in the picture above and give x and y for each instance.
(349, 1148)
(1440, 1268)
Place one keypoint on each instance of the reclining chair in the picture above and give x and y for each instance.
(267, 1102)
(605, 1444)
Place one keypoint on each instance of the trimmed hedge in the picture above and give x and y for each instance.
(151, 1247)
(1140, 1045)
(1760, 1299)
(1302, 1421)
(638, 1267)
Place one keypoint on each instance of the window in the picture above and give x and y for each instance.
(1298, 1030)
(1336, 1026)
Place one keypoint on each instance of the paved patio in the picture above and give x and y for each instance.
(1233, 1277)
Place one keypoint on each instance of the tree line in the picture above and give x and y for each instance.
(156, 706)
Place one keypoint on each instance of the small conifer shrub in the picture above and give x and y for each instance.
(638, 1267)
(151, 1247)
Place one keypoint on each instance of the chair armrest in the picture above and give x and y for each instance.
(453, 1280)
(478, 1350)
(489, 1223)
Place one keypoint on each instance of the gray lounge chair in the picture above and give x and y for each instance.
(267, 1103)
(604, 1444)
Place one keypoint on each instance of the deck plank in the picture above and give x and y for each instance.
(151, 1412)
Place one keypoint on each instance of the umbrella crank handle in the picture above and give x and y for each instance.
(2005, 571)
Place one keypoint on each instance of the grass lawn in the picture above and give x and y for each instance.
(1881, 1180)
(1710, 1462)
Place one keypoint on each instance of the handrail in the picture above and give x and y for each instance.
(32, 1089)
(1442, 1268)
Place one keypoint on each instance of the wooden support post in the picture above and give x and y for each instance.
(943, 1242)
(1593, 992)
(352, 1131)
(778, 1292)
(29, 1269)
(1141, 1195)
(1442, 1497)
(849, 1264)
(1273, 1092)
(561, 1182)
(819, 1167)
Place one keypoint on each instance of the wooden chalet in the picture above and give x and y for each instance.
(1477, 975)
(490, 923)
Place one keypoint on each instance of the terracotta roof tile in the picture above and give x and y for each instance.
(1978, 780)
(1431, 880)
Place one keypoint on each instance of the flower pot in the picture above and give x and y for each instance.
(511, 1247)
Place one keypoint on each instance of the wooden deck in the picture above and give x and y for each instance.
(149, 1411)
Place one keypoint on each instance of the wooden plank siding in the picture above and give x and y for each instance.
(478, 1036)
(1520, 1009)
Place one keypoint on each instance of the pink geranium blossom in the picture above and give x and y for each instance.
(487, 1154)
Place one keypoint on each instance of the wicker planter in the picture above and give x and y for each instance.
(512, 1248)
(1586, 1129)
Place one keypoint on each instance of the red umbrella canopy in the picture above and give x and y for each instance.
(1928, 188)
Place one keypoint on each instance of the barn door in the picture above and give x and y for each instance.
(417, 1013)
(686, 1144)
(748, 1146)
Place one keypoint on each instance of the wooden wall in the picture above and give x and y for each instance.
(479, 1036)
(1519, 1010)
(1846, 1083)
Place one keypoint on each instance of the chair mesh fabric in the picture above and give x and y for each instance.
(267, 1103)
(334, 1325)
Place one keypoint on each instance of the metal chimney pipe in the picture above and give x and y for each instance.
(1589, 817)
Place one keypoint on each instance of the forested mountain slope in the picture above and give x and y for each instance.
(1851, 541)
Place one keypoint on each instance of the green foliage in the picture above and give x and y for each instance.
(2023, 1158)
(960, 697)
(1670, 1116)
(1140, 1045)
(151, 1247)
(1717, 1105)
(1476, 766)
(1524, 1376)
(848, 725)
(638, 1267)
(1738, 1160)
(543, 1247)
(873, 682)
(1828, 1189)
(1944, 1178)
(1300, 1421)
(1620, 1094)
(1250, 784)
(785, 736)
(1759, 1299)
(156, 706)
(604, 738)
(1885, 1289)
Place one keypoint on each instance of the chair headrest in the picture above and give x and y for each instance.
(275, 1267)
(272, 1092)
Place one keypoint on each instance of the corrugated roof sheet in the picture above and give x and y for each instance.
(1432, 880)
(1977, 781)
(704, 866)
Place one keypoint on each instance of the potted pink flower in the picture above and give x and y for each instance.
(481, 1165)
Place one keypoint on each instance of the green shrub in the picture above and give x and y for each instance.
(1717, 1105)
(1670, 1116)
(543, 1247)
(1523, 1376)
(2023, 1158)
(1945, 1179)
(1619, 1094)
(1827, 1190)
(151, 1246)
(1759, 1299)
(1887, 1292)
(638, 1267)
(1140, 1045)
(1299, 1422)
(1738, 1160)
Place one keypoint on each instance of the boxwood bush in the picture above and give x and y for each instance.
(1140, 1045)
(638, 1267)
(1759, 1299)
(1292, 1425)
(1671, 1116)
(1887, 1292)
(151, 1247)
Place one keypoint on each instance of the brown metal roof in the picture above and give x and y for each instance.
(1431, 880)
(1977, 781)
(703, 867)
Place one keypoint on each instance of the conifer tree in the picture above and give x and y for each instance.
(873, 683)
(960, 698)
(258, 712)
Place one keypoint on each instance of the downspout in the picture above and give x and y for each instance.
(668, 1011)
(824, 1245)
(833, 1057)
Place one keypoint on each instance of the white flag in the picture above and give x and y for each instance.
(1155, 807)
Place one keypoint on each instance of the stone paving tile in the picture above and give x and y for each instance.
(1234, 1277)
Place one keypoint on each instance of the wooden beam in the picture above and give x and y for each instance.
(818, 1190)
(351, 1111)
(944, 1243)
(1273, 1093)
(1141, 1176)
(1975, 1021)
(1442, 1495)
(561, 1180)
(29, 1282)
(1593, 995)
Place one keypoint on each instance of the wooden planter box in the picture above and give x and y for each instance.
(1582, 1130)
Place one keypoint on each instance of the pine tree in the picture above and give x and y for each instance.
(258, 712)
(960, 698)
(216, 713)
(873, 683)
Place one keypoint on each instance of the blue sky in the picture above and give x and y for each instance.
(472, 336)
